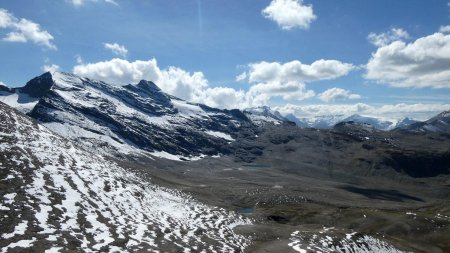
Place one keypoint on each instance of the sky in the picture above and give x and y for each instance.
(382, 58)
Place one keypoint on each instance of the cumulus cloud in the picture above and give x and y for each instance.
(172, 80)
(191, 86)
(116, 49)
(387, 112)
(224, 97)
(297, 71)
(183, 84)
(288, 80)
(444, 29)
(421, 63)
(386, 38)
(78, 3)
(23, 30)
(50, 68)
(290, 14)
(267, 80)
(288, 91)
(120, 71)
(334, 94)
(241, 77)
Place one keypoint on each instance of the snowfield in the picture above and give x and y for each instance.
(61, 198)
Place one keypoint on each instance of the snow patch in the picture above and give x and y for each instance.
(220, 135)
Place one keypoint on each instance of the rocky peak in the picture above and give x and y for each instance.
(148, 85)
(444, 114)
(38, 86)
(4, 88)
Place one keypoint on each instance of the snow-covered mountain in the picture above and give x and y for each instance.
(439, 124)
(55, 196)
(131, 119)
(376, 123)
(23, 99)
(264, 114)
(329, 121)
(405, 122)
(320, 122)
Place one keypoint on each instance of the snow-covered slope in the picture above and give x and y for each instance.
(264, 114)
(321, 122)
(405, 122)
(326, 122)
(132, 119)
(19, 100)
(376, 123)
(54, 196)
(438, 124)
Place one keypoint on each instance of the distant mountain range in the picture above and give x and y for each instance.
(140, 119)
(439, 124)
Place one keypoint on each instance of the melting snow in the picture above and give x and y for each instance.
(79, 197)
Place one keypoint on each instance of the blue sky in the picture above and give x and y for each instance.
(195, 49)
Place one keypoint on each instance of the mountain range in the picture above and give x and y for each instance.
(88, 166)
(131, 119)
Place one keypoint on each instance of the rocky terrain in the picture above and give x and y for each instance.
(101, 167)
(56, 196)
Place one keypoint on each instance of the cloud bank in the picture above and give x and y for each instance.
(392, 112)
(422, 63)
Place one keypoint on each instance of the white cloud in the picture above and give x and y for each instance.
(78, 59)
(295, 71)
(241, 77)
(120, 71)
(288, 91)
(78, 3)
(422, 63)
(50, 68)
(172, 80)
(116, 49)
(290, 14)
(224, 97)
(387, 112)
(336, 94)
(288, 80)
(183, 84)
(444, 29)
(386, 38)
(193, 87)
(23, 30)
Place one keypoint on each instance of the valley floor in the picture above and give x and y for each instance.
(297, 212)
